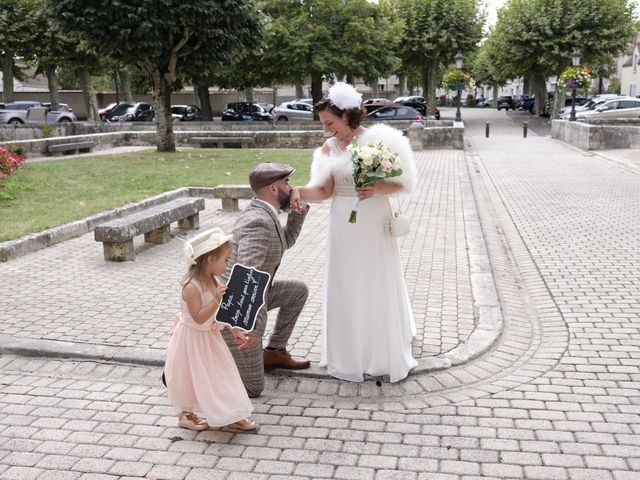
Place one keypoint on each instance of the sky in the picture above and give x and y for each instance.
(492, 8)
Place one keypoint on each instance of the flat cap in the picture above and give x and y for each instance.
(265, 174)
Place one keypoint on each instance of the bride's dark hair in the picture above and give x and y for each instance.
(355, 116)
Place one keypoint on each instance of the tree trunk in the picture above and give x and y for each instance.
(375, 88)
(164, 124)
(600, 86)
(401, 81)
(89, 94)
(248, 93)
(429, 73)
(316, 92)
(205, 104)
(299, 90)
(7, 77)
(52, 81)
(494, 102)
(540, 91)
(125, 85)
(275, 96)
(351, 79)
(558, 98)
(196, 98)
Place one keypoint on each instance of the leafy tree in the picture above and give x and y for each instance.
(325, 38)
(161, 37)
(18, 30)
(536, 37)
(434, 31)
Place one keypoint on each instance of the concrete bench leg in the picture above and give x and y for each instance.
(118, 252)
(190, 223)
(161, 235)
(230, 205)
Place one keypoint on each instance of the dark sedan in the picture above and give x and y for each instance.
(399, 112)
(245, 112)
(130, 112)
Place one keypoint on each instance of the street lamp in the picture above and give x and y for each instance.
(458, 58)
(575, 61)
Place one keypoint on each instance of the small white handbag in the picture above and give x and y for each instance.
(398, 224)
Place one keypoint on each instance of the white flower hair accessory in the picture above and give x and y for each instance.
(204, 242)
(344, 96)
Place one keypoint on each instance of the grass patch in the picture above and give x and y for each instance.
(46, 194)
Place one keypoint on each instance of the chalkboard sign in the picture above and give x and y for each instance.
(244, 297)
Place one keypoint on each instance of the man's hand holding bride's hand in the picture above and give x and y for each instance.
(297, 202)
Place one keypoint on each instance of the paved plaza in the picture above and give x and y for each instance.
(545, 231)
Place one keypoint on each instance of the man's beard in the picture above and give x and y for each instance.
(284, 199)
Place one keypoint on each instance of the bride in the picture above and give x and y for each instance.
(367, 322)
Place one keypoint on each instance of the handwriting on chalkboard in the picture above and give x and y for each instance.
(245, 294)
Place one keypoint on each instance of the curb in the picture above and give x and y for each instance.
(37, 241)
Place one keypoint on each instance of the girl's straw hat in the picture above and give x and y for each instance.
(204, 242)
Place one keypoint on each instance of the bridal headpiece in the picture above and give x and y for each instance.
(344, 96)
(205, 242)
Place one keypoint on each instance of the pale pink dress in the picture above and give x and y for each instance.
(201, 374)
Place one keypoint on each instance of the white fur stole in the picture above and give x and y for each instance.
(324, 166)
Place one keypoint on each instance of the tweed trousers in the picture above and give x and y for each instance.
(289, 296)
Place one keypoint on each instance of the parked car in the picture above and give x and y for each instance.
(372, 107)
(395, 112)
(293, 111)
(525, 102)
(410, 98)
(103, 111)
(185, 113)
(417, 103)
(485, 103)
(506, 102)
(245, 112)
(267, 106)
(16, 113)
(306, 100)
(627, 107)
(130, 112)
(376, 100)
(591, 104)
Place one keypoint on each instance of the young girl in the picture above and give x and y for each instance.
(200, 372)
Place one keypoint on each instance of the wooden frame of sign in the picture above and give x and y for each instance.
(245, 296)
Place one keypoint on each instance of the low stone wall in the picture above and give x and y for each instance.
(436, 135)
(598, 134)
(433, 134)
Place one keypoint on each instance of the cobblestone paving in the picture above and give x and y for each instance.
(557, 398)
(69, 293)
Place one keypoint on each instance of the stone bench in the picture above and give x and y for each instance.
(74, 147)
(230, 194)
(154, 222)
(220, 142)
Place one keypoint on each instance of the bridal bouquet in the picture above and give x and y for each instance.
(372, 163)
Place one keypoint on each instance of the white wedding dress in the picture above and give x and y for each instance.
(367, 322)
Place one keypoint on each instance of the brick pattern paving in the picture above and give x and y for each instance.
(557, 397)
(69, 293)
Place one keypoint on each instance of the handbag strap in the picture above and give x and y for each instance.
(399, 204)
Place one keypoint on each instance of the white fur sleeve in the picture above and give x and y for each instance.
(397, 143)
(322, 168)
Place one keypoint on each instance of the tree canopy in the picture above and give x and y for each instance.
(162, 37)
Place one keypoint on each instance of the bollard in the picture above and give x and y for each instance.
(524, 129)
(486, 130)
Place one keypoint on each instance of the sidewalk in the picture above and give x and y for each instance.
(78, 305)
(556, 397)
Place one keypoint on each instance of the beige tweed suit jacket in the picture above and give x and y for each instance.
(259, 241)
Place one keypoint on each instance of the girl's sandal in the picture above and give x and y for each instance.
(191, 421)
(243, 426)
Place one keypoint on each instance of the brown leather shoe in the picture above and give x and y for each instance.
(280, 358)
